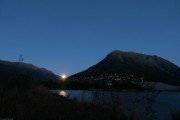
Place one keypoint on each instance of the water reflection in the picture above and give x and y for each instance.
(135, 102)
(62, 93)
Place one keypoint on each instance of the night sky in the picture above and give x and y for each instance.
(68, 36)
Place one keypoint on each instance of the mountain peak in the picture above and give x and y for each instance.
(120, 52)
(115, 51)
(116, 54)
(122, 55)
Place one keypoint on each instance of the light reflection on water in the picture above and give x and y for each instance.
(63, 93)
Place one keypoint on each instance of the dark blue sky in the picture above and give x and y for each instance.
(68, 36)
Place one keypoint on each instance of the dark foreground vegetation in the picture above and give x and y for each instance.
(176, 115)
(24, 99)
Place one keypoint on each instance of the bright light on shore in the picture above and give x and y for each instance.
(62, 93)
(63, 76)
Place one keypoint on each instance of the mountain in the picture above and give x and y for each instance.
(10, 69)
(146, 67)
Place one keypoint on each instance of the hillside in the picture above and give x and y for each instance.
(144, 67)
(10, 69)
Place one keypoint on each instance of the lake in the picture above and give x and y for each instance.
(143, 104)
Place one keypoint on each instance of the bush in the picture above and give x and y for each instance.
(176, 115)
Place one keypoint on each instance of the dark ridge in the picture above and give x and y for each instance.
(10, 69)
